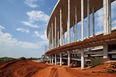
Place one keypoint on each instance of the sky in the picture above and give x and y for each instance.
(23, 26)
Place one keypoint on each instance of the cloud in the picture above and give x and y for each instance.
(23, 30)
(31, 3)
(38, 16)
(29, 24)
(42, 36)
(114, 23)
(10, 46)
(1, 27)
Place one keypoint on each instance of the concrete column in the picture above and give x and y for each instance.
(105, 16)
(52, 37)
(52, 59)
(82, 20)
(105, 51)
(68, 25)
(55, 32)
(88, 12)
(60, 59)
(64, 39)
(58, 37)
(55, 59)
(68, 52)
(74, 33)
(82, 58)
(76, 23)
(109, 16)
(93, 21)
(61, 28)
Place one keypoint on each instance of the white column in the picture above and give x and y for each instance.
(93, 20)
(68, 25)
(55, 32)
(109, 15)
(76, 23)
(82, 58)
(58, 37)
(55, 59)
(82, 20)
(105, 16)
(74, 33)
(61, 28)
(105, 51)
(52, 37)
(52, 59)
(68, 31)
(60, 59)
(88, 12)
(68, 52)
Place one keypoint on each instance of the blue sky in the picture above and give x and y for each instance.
(23, 26)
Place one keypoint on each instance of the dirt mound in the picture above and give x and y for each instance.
(20, 68)
(34, 69)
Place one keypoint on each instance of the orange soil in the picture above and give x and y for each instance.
(33, 69)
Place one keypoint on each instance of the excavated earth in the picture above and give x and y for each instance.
(34, 69)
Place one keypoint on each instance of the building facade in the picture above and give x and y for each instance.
(66, 14)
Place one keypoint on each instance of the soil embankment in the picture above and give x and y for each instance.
(20, 68)
(33, 69)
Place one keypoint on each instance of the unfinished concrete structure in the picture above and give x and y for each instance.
(66, 14)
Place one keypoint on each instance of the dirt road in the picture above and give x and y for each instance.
(33, 69)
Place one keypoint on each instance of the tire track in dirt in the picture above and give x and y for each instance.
(54, 72)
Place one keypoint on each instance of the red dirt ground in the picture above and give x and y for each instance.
(33, 69)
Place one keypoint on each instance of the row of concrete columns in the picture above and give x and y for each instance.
(107, 28)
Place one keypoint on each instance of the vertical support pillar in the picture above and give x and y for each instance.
(105, 16)
(68, 25)
(74, 33)
(52, 37)
(55, 59)
(61, 28)
(93, 20)
(88, 12)
(68, 31)
(52, 59)
(109, 16)
(82, 58)
(76, 23)
(58, 37)
(64, 39)
(82, 20)
(68, 52)
(55, 32)
(60, 59)
(105, 51)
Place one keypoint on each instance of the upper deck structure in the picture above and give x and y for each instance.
(66, 14)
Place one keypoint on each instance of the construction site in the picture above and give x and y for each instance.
(94, 49)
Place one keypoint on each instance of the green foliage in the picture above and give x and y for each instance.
(6, 59)
(95, 62)
(22, 58)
